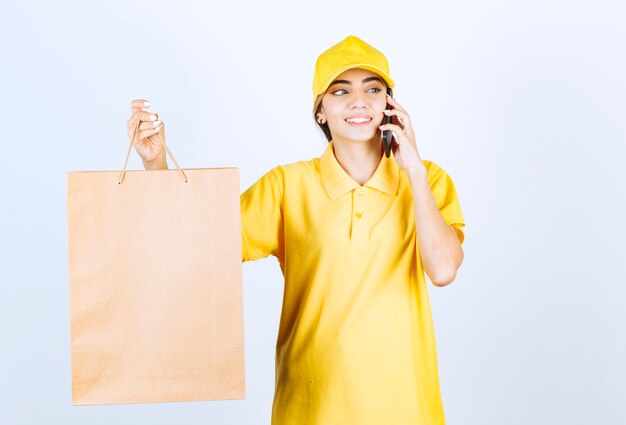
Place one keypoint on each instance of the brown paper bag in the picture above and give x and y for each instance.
(155, 285)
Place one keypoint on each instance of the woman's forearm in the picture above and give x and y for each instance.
(438, 244)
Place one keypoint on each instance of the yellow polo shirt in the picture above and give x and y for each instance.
(356, 344)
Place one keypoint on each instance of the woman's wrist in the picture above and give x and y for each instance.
(416, 172)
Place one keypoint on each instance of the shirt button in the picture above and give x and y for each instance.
(359, 194)
(357, 215)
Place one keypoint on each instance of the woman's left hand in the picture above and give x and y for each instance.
(404, 149)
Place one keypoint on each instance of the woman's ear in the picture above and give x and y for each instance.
(320, 117)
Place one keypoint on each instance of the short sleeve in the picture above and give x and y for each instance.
(261, 217)
(446, 198)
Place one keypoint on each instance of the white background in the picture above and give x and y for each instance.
(523, 103)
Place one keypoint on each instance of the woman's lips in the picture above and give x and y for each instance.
(358, 121)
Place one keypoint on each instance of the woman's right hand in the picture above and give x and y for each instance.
(148, 142)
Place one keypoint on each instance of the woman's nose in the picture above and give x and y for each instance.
(357, 100)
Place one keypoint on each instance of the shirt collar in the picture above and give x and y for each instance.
(337, 182)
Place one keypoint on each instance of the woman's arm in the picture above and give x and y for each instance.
(438, 244)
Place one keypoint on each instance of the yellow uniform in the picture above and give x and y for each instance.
(356, 343)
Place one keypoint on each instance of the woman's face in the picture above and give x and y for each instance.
(353, 106)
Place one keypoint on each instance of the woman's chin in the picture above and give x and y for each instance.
(361, 137)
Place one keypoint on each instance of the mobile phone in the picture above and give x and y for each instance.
(386, 135)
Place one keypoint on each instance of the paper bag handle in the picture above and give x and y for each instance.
(130, 146)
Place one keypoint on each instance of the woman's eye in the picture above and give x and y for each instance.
(340, 92)
(374, 90)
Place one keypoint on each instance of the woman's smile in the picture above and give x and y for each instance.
(358, 120)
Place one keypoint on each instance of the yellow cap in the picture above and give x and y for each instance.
(351, 52)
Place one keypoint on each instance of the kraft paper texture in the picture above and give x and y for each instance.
(155, 286)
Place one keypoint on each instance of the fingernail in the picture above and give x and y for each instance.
(147, 104)
(156, 123)
(153, 117)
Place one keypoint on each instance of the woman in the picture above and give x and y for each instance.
(354, 232)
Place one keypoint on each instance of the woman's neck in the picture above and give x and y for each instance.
(359, 159)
